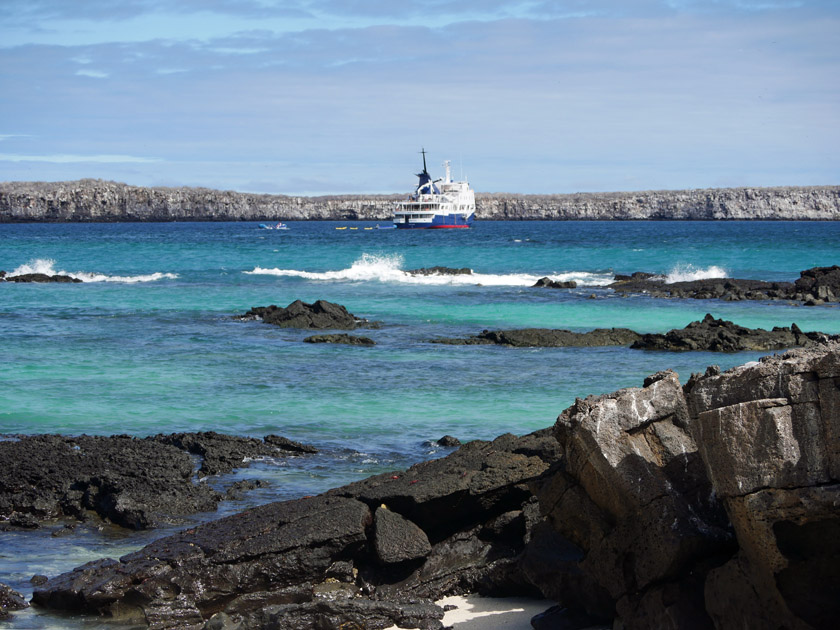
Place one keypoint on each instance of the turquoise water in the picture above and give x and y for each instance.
(148, 344)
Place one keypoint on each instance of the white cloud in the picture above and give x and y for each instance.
(95, 74)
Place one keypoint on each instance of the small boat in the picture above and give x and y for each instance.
(277, 226)
(448, 205)
(384, 227)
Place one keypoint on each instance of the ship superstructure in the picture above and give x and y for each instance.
(439, 203)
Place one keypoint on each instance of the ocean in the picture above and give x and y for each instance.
(148, 343)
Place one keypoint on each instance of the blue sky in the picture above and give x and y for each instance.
(338, 96)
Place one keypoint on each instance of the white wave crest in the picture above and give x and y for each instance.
(687, 273)
(389, 269)
(47, 266)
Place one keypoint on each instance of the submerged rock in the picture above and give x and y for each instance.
(350, 340)
(547, 338)
(321, 314)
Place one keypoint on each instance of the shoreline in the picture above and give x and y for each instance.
(558, 514)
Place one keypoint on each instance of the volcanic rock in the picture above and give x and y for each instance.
(440, 271)
(398, 539)
(547, 338)
(320, 315)
(222, 453)
(350, 340)
(718, 335)
(10, 600)
(466, 516)
(819, 285)
(555, 284)
(132, 482)
(38, 277)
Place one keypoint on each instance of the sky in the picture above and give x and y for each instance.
(321, 97)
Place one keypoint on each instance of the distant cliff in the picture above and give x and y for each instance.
(96, 200)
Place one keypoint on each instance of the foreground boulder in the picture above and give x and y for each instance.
(769, 436)
(634, 497)
(376, 551)
(320, 315)
(709, 506)
(132, 482)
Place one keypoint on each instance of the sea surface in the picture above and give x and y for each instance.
(148, 343)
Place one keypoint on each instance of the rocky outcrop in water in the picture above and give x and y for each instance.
(36, 277)
(709, 335)
(320, 315)
(96, 200)
(819, 285)
(548, 283)
(131, 482)
(718, 335)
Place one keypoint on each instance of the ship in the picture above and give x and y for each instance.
(439, 203)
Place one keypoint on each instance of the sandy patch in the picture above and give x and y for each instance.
(491, 613)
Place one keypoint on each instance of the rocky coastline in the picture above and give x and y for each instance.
(91, 200)
(708, 504)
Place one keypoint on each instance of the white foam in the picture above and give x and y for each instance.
(687, 273)
(382, 268)
(47, 266)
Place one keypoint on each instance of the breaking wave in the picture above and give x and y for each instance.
(373, 268)
(47, 266)
(687, 273)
